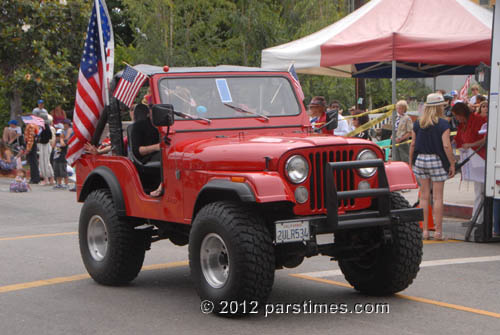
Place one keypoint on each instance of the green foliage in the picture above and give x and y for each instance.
(41, 43)
(40, 49)
(379, 91)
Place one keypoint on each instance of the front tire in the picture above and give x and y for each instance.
(112, 251)
(391, 267)
(231, 255)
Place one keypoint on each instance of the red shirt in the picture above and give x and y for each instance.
(468, 132)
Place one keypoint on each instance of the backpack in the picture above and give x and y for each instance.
(45, 136)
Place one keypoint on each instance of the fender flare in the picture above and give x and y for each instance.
(103, 177)
(241, 190)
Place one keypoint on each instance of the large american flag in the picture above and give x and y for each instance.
(296, 82)
(130, 83)
(465, 89)
(91, 94)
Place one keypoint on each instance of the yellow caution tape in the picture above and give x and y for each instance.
(374, 111)
(370, 124)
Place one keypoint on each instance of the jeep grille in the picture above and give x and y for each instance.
(344, 179)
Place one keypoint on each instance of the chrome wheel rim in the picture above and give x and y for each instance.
(214, 259)
(97, 238)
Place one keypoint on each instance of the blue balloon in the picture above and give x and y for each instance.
(201, 109)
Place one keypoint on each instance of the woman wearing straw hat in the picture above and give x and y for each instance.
(432, 160)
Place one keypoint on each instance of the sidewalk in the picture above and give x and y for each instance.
(458, 198)
(458, 204)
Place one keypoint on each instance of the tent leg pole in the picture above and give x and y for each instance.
(434, 84)
(394, 113)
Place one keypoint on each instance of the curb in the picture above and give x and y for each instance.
(457, 211)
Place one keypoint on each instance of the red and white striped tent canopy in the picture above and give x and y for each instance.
(426, 38)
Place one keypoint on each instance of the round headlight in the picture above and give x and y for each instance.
(297, 169)
(365, 155)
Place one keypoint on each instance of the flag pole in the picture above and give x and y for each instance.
(103, 53)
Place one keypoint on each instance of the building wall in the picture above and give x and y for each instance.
(448, 83)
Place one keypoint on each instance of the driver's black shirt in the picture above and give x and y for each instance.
(144, 134)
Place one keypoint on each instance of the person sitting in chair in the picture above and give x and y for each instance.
(146, 143)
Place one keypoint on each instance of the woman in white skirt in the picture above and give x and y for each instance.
(431, 158)
(44, 150)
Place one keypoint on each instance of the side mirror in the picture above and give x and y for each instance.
(332, 119)
(163, 115)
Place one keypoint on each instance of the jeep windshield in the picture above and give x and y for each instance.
(230, 97)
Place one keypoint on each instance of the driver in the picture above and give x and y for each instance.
(146, 144)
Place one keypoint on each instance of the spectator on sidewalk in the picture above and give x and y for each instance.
(60, 162)
(58, 114)
(19, 184)
(10, 133)
(431, 158)
(448, 115)
(316, 110)
(40, 111)
(44, 150)
(479, 99)
(454, 97)
(343, 127)
(468, 139)
(30, 133)
(7, 159)
(404, 127)
(68, 131)
(358, 122)
(474, 93)
(482, 109)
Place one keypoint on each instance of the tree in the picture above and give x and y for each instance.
(38, 54)
(313, 16)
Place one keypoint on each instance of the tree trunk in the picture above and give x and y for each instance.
(360, 93)
(15, 105)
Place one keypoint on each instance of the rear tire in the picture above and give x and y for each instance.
(391, 267)
(231, 256)
(112, 251)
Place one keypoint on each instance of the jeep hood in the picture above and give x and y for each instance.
(247, 153)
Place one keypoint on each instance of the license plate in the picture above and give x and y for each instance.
(293, 231)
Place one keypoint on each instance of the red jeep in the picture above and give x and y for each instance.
(249, 185)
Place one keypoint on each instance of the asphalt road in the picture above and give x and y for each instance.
(44, 288)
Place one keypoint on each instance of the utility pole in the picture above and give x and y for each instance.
(360, 86)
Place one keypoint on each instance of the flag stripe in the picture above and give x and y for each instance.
(75, 150)
(90, 93)
(87, 105)
(80, 129)
(129, 85)
(133, 87)
(465, 88)
(88, 110)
